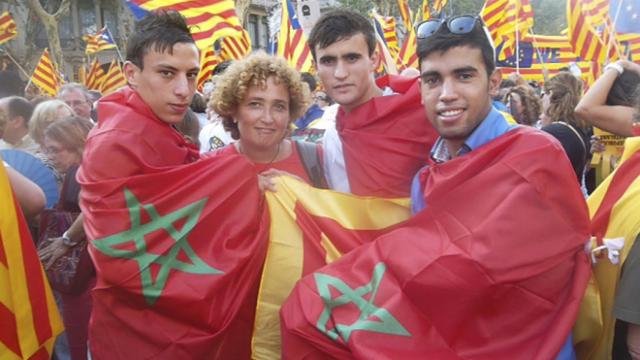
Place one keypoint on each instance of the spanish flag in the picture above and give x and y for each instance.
(29, 319)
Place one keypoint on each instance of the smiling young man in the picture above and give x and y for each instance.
(380, 138)
(482, 271)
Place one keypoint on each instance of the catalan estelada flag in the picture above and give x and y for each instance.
(614, 207)
(208, 61)
(208, 20)
(508, 21)
(45, 76)
(95, 77)
(236, 47)
(587, 42)
(113, 80)
(29, 317)
(7, 27)
(102, 40)
(292, 43)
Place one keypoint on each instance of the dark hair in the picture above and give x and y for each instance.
(221, 68)
(160, 30)
(623, 89)
(506, 83)
(19, 106)
(189, 127)
(309, 80)
(199, 103)
(443, 40)
(338, 25)
(10, 84)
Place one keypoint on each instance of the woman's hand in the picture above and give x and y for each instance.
(597, 146)
(265, 179)
(53, 252)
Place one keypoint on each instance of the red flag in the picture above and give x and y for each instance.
(396, 130)
(178, 248)
(494, 266)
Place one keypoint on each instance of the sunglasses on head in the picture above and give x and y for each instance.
(463, 24)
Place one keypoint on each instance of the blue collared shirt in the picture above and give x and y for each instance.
(493, 126)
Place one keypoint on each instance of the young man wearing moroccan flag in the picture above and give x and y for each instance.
(492, 264)
(174, 281)
(380, 138)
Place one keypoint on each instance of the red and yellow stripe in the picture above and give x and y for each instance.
(236, 47)
(114, 79)
(28, 315)
(95, 77)
(45, 76)
(208, 62)
(8, 28)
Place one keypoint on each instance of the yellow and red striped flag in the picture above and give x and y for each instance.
(583, 35)
(29, 318)
(7, 27)
(405, 14)
(426, 11)
(45, 76)
(101, 40)
(208, 61)
(613, 207)
(236, 47)
(95, 77)
(114, 79)
(292, 43)
(505, 18)
(208, 20)
(386, 27)
(438, 5)
(408, 55)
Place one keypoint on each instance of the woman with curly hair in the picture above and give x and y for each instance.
(524, 104)
(258, 98)
(561, 95)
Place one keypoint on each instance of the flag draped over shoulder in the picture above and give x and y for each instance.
(292, 43)
(45, 75)
(498, 251)
(178, 254)
(29, 317)
(208, 20)
(614, 207)
(7, 27)
(395, 128)
(309, 229)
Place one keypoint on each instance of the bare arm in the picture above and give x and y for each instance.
(633, 341)
(29, 195)
(592, 107)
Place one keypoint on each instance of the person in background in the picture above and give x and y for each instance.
(78, 98)
(308, 126)
(16, 130)
(258, 98)
(561, 95)
(189, 127)
(523, 104)
(608, 104)
(213, 135)
(64, 144)
(45, 114)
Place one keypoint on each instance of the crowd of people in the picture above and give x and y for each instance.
(498, 172)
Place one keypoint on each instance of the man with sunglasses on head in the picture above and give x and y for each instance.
(491, 266)
(379, 139)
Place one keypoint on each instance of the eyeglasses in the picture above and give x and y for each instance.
(76, 102)
(463, 24)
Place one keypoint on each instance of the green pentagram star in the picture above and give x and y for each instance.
(387, 324)
(150, 289)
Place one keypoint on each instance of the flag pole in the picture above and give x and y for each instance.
(6, 51)
(612, 32)
(34, 70)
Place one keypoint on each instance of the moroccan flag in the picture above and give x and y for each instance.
(101, 40)
(614, 207)
(29, 318)
(464, 275)
(396, 130)
(45, 75)
(113, 80)
(309, 229)
(7, 27)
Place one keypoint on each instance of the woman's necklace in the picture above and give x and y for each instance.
(274, 156)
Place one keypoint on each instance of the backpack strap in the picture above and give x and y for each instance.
(310, 158)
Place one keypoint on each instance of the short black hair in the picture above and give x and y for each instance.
(19, 106)
(221, 68)
(160, 30)
(309, 80)
(623, 89)
(340, 24)
(443, 40)
(10, 84)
